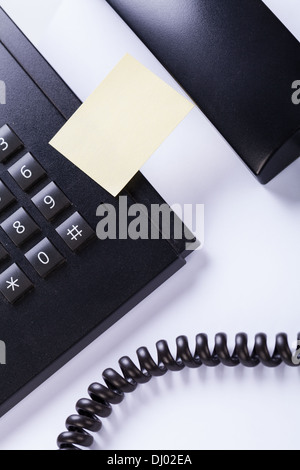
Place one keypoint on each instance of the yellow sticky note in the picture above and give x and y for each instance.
(121, 124)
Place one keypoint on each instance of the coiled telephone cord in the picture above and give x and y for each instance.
(90, 410)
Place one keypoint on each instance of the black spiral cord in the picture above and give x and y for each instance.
(89, 410)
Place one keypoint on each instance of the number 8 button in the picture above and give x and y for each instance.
(20, 227)
(27, 172)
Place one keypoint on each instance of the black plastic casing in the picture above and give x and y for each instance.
(238, 62)
(96, 286)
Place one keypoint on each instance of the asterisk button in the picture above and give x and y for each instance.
(14, 283)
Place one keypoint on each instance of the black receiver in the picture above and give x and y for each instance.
(238, 63)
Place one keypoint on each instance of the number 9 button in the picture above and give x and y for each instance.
(27, 172)
(51, 201)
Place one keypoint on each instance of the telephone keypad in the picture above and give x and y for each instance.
(21, 227)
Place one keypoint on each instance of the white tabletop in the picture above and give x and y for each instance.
(246, 277)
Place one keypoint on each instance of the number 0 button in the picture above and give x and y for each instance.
(20, 227)
(44, 257)
(27, 172)
(75, 232)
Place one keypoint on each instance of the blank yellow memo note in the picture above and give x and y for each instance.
(121, 124)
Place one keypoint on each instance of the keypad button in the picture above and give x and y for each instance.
(20, 227)
(3, 254)
(6, 197)
(75, 232)
(27, 172)
(9, 143)
(44, 257)
(14, 283)
(51, 201)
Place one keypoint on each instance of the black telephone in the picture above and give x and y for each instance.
(60, 285)
(50, 256)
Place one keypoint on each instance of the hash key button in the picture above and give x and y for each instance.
(20, 227)
(14, 283)
(44, 257)
(75, 232)
(9, 143)
(27, 172)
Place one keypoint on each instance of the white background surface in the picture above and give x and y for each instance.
(246, 278)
